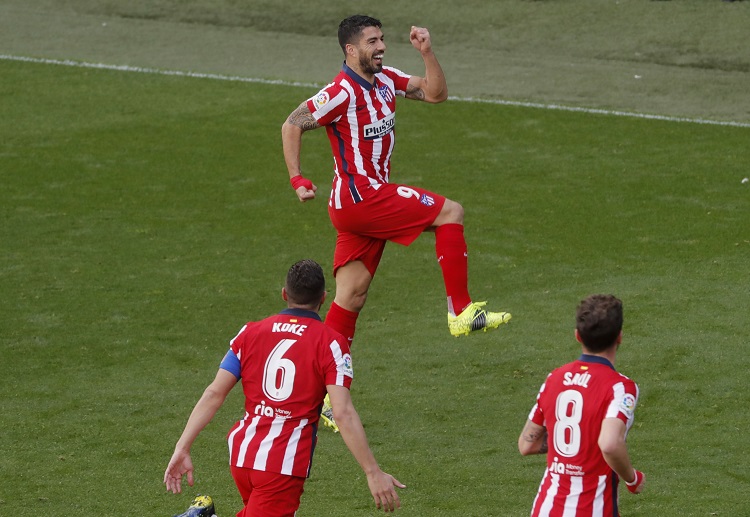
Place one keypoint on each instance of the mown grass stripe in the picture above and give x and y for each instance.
(221, 77)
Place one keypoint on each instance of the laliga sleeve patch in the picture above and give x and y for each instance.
(346, 366)
(320, 100)
(627, 405)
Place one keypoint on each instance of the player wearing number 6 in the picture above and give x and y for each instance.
(581, 419)
(358, 110)
(286, 364)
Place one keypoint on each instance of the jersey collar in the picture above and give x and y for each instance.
(586, 358)
(358, 78)
(301, 313)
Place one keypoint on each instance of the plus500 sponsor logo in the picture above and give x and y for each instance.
(380, 128)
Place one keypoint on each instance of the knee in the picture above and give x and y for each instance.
(452, 213)
(351, 298)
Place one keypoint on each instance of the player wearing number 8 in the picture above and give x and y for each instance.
(581, 419)
(286, 364)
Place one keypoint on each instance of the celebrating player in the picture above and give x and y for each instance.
(581, 419)
(358, 112)
(286, 364)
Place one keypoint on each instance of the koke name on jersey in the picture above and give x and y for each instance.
(293, 328)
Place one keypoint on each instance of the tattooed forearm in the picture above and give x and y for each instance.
(413, 92)
(534, 436)
(302, 118)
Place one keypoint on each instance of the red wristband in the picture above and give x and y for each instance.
(633, 486)
(300, 181)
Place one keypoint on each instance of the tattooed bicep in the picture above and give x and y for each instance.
(414, 92)
(302, 118)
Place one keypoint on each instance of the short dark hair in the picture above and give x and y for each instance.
(599, 321)
(305, 283)
(350, 28)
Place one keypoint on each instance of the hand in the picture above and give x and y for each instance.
(180, 464)
(420, 39)
(637, 485)
(305, 194)
(303, 187)
(383, 491)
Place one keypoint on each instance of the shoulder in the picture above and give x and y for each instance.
(334, 96)
(629, 387)
(341, 86)
(323, 332)
(394, 73)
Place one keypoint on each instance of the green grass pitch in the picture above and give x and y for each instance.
(145, 218)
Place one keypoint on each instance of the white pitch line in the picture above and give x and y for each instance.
(236, 78)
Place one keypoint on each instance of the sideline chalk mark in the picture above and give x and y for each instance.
(236, 78)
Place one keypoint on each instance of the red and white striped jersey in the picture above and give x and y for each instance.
(285, 363)
(360, 119)
(571, 404)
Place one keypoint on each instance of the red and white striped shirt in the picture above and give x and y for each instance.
(360, 119)
(285, 363)
(572, 404)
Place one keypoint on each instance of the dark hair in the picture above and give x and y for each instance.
(305, 283)
(599, 321)
(350, 28)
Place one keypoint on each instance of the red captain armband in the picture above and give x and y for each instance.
(636, 483)
(299, 181)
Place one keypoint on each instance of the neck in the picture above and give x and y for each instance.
(608, 354)
(370, 78)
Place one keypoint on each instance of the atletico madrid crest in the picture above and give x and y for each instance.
(427, 200)
(386, 93)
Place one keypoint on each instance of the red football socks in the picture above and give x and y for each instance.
(342, 321)
(451, 250)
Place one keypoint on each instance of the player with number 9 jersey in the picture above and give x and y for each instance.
(358, 110)
(284, 362)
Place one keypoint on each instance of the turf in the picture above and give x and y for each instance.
(685, 58)
(146, 218)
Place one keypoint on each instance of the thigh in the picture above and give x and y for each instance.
(352, 246)
(270, 494)
(398, 213)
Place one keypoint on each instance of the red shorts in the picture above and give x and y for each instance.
(266, 494)
(397, 213)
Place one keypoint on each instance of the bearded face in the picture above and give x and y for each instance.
(370, 49)
(371, 64)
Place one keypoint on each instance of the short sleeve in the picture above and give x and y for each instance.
(624, 401)
(338, 369)
(329, 104)
(399, 78)
(536, 415)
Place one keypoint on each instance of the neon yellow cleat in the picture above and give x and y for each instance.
(474, 317)
(326, 415)
(202, 506)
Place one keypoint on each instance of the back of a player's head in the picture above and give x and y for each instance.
(351, 28)
(599, 321)
(305, 283)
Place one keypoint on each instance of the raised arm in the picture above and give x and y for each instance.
(299, 121)
(382, 485)
(432, 87)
